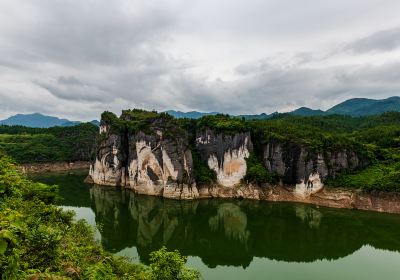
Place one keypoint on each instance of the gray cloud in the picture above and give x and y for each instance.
(384, 40)
(77, 58)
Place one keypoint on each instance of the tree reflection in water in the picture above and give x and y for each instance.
(232, 232)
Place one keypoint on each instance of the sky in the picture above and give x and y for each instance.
(78, 58)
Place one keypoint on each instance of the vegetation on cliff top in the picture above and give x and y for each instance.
(39, 240)
(136, 120)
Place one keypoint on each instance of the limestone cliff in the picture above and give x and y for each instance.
(152, 154)
(307, 169)
(148, 159)
(225, 154)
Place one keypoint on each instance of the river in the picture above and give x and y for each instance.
(239, 239)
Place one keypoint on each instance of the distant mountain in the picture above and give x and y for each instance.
(304, 111)
(70, 123)
(353, 107)
(34, 120)
(95, 122)
(365, 106)
(40, 120)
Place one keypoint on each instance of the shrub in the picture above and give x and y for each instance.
(170, 265)
(256, 172)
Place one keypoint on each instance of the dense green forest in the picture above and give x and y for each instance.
(39, 240)
(31, 145)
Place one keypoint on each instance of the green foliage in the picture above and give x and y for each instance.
(136, 120)
(39, 240)
(381, 177)
(202, 173)
(223, 123)
(28, 145)
(170, 265)
(256, 172)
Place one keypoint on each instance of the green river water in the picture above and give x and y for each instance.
(239, 239)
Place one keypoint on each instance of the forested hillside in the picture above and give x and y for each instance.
(54, 144)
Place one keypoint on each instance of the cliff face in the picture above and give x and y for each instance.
(225, 154)
(305, 169)
(160, 166)
(154, 157)
(109, 167)
(149, 163)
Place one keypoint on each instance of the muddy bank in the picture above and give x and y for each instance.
(53, 166)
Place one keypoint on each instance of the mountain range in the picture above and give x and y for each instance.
(39, 120)
(353, 107)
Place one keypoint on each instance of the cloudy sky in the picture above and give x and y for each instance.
(77, 58)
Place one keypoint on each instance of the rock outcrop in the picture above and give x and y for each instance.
(159, 165)
(109, 167)
(225, 154)
(306, 169)
(152, 154)
(153, 163)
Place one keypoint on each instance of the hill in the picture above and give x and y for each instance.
(54, 144)
(355, 107)
(364, 107)
(40, 121)
(304, 111)
(34, 120)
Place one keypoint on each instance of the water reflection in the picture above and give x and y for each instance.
(228, 232)
(232, 232)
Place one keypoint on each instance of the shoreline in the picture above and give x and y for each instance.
(342, 198)
(32, 168)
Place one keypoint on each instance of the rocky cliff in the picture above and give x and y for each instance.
(152, 159)
(225, 154)
(307, 169)
(153, 154)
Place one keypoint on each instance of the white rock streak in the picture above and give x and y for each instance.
(313, 185)
(233, 168)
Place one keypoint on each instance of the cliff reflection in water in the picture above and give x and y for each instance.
(232, 232)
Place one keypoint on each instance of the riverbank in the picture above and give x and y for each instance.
(53, 166)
